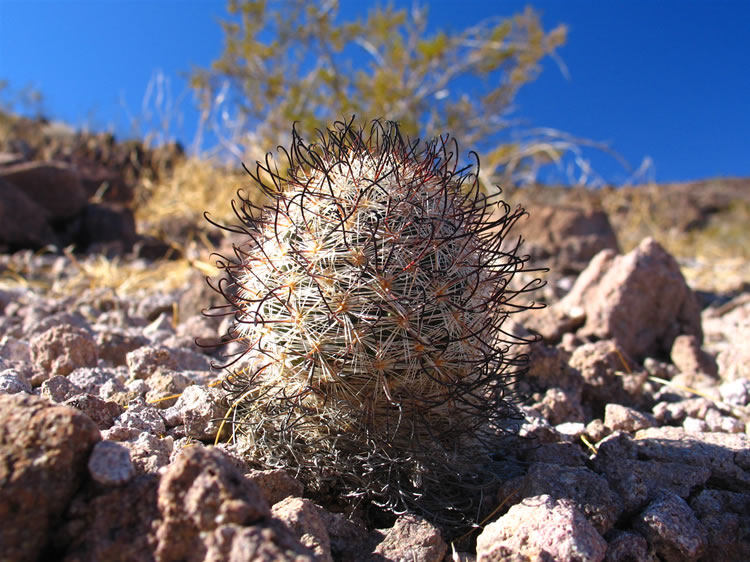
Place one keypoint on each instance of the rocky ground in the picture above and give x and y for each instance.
(636, 443)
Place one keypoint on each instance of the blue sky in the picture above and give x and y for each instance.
(657, 79)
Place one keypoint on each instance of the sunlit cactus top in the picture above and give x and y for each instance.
(369, 297)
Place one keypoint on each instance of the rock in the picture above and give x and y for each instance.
(305, 520)
(110, 465)
(726, 517)
(43, 454)
(23, 223)
(13, 382)
(200, 492)
(672, 529)
(608, 373)
(90, 379)
(58, 389)
(563, 454)
(102, 413)
(54, 186)
(566, 237)
(637, 480)
(165, 388)
(688, 356)
(114, 345)
(139, 417)
(148, 452)
(640, 300)
(117, 524)
(106, 224)
(736, 392)
(350, 542)
(412, 538)
(560, 406)
(276, 484)
(627, 546)
(622, 418)
(548, 367)
(540, 528)
(63, 348)
(202, 411)
(726, 455)
(588, 491)
(144, 361)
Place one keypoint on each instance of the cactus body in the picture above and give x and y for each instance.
(369, 298)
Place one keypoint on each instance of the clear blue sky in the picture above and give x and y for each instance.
(668, 80)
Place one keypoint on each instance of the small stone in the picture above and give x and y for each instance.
(61, 349)
(110, 465)
(165, 388)
(716, 421)
(13, 382)
(736, 392)
(596, 430)
(102, 413)
(622, 418)
(688, 356)
(58, 389)
(142, 417)
(412, 538)
(201, 411)
(694, 425)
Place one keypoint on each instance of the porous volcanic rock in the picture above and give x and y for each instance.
(43, 454)
(640, 300)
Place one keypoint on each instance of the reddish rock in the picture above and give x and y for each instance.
(307, 523)
(622, 418)
(276, 484)
(604, 368)
(102, 413)
(63, 348)
(43, 454)
(588, 491)
(412, 538)
(53, 186)
(540, 528)
(198, 493)
(726, 517)
(566, 237)
(640, 300)
(118, 524)
(23, 223)
(688, 356)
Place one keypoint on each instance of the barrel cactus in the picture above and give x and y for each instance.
(369, 296)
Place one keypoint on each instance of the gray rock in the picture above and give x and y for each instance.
(736, 392)
(110, 465)
(141, 417)
(102, 413)
(637, 481)
(726, 517)
(726, 455)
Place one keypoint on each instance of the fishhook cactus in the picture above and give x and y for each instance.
(369, 296)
